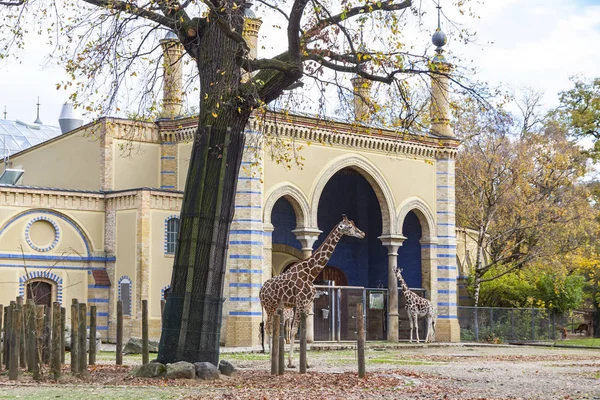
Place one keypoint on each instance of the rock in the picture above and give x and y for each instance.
(134, 346)
(206, 371)
(226, 368)
(68, 339)
(150, 370)
(181, 370)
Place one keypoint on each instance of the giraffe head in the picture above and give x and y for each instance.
(398, 272)
(348, 228)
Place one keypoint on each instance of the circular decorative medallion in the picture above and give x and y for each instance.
(42, 234)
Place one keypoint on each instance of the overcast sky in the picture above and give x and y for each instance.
(533, 43)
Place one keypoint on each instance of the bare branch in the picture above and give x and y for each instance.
(390, 5)
(135, 10)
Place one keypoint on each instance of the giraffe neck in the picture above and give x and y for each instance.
(405, 289)
(322, 255)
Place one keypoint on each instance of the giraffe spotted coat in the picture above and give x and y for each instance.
(417, 306)
(294, 288)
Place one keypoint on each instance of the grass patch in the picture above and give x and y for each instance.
(588, 342)
(245, 356)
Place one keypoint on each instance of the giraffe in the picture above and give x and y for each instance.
(294, 290)
(417, 306)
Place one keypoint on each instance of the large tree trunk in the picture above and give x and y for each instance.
(192, 315)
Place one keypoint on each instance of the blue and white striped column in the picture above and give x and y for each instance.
(242, 310)
(447, 329)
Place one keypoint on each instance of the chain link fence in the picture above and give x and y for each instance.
(498, 325)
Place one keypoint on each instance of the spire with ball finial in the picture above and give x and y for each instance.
(439, 38)
(440, 69)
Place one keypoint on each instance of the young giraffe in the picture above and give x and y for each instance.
(417, 306)
(294, 288)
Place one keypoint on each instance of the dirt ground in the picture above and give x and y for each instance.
(434, 372)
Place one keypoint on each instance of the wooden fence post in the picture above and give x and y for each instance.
(74, 337)
(47, 335)
(82, 363)
(63, 325)
(92, 347)
(275, 345)
(15, 338)
(37, 347)
(28, 313)
(361, 340)
(2, 344)
(145, 353)
(119, 348)
(22, 356)
(8, 332)
(30, 336)
(55, 359)
(281, 363)
(5, 332)
(303, 363)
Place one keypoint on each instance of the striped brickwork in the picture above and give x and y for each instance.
(242, 311)
(168, 165)
(447, 329)
(98, 296)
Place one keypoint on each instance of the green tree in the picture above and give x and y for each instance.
(106, 45)
(580, 109)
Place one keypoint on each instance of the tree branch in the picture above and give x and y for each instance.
(366, 9)
(12, 3)
(135, 10)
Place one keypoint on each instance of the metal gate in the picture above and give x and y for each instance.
(335, 313)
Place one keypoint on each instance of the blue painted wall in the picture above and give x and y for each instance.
(409, 254)
(283, 219)
(363, 261)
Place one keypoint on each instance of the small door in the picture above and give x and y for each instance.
(40, 292)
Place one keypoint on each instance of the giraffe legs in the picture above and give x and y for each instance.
(430, 329)
(416, 323)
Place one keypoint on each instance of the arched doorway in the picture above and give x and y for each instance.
(362, 263)
(40, 292)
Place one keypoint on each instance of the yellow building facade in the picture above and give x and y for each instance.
(95, 215)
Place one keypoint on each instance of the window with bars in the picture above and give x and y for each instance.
(172, 232)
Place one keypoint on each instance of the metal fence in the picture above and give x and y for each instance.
(335, 313)
(486, 324)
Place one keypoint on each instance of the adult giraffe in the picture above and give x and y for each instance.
(294, 288)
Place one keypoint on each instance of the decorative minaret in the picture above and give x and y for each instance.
(172, 101)
(362, 91)
(445, 275)
(440, 101)
(250, 33)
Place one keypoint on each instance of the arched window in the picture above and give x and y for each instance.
(125, 294)
(172, 230)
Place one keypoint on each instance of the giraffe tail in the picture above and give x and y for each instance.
(261, 332)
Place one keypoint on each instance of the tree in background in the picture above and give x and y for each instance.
(520, 192)
(109, 45)
(553, 285)
(580, 110)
